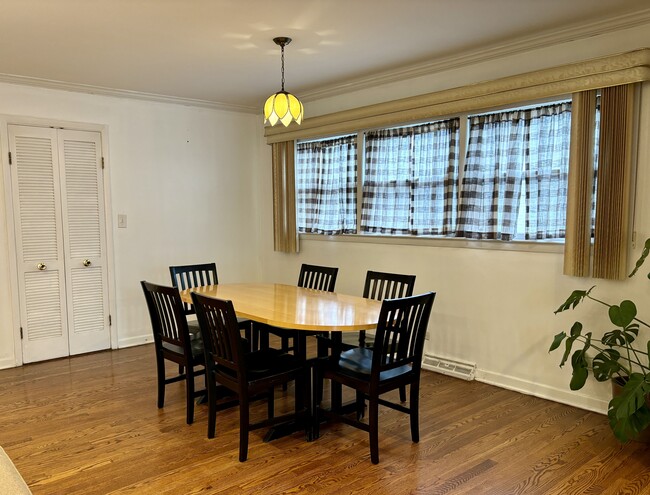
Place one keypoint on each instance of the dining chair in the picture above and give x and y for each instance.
(248, 374)
(378, 286)
(394, 361)
(190, 276)
(310, 277)
(173, 342)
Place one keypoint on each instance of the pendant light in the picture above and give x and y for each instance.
(283, 106)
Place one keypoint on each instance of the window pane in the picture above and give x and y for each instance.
(510, 152)
(326, 187)
(411, 179)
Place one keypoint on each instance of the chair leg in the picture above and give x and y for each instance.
(373, 423)
(243, 427)
(160, 368)
(402, 393)
(414, 406)
(212, 407)
(271, 404)
(317, 396)
(189, 391)
(361, 405)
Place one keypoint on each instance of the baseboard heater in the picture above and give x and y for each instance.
(457, 369)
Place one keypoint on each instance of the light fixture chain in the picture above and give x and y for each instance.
(282, 47)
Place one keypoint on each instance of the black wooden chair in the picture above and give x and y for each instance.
(173, 342)
(395, 361)
(190, 276)
(310, 277)
(378, 286)
(248, 374)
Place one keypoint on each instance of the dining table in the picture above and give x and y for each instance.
(305, 311)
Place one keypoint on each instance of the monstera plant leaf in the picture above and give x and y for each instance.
(629, 413)
(605, 364)
(580, 366)
(623, 314)
(573, 300)
(644, 255)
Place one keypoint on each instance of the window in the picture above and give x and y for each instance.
(515, 158)
(410, 179)
(326, 186)
(510, 184)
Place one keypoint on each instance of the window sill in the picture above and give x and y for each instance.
(526, 246)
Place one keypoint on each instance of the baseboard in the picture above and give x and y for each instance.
(564, 396)
(134, 341)
(7, 363)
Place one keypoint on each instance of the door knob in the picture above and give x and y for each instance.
(86, 262)
(41, 266)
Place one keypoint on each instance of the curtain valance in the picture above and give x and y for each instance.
(614, 70)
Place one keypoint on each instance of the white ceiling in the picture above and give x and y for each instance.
(221, 51)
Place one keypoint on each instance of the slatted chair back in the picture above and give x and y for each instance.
(382, 285)
(190, 276)
(318, 277)
(167, 316)
(224, 351)
(402, 326)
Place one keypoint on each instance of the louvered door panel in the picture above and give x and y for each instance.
(83, 205)
(37, 198)
(39, 242)
(43, 306)
(87, 300)
(84, 240)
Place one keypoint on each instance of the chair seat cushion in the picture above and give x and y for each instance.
(269, 362)
(358, 362)
(196, 344)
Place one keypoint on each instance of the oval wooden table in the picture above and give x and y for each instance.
(296, 308)
(300, 309)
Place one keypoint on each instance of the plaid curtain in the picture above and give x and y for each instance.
(410, 183)
(326, 186)
(510, 152)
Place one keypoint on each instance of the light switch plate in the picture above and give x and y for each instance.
(121, 221)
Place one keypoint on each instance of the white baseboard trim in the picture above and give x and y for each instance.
(563, 396)
(7, 363)
(133, 341)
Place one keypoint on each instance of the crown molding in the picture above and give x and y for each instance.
(122, 93)
(491, 52)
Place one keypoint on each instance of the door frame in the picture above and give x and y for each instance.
(5, 121)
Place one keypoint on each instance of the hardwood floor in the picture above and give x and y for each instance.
(89, 425)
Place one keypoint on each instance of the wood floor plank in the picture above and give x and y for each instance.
(89, 425)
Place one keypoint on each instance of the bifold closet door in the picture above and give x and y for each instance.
(58, 203)
(84, 240)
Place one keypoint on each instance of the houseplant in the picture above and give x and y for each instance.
(621, 354)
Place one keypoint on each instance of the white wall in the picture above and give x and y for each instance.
(493, 308)
(183, 177)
